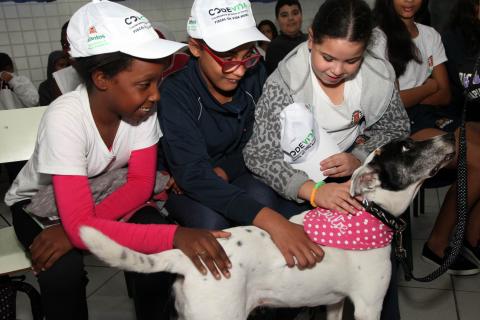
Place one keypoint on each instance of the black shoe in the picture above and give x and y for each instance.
(460, 267)
(471, 253)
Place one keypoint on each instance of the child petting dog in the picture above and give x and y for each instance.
(105, 124)
(328, 94)
(207, 114)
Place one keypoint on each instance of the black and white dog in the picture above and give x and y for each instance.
(390, 177)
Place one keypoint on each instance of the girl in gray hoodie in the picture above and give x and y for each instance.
(329, 104)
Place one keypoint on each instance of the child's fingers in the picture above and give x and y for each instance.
(209, 262)
(198, 263)
(220, 234)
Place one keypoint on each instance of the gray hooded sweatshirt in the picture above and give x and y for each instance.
(385, 117)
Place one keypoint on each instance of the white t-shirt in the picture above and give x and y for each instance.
(432, 53)
(340, 121)
(69, 143)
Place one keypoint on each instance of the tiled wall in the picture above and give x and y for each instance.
(30, 31)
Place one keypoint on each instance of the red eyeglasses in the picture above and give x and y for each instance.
(229, 66)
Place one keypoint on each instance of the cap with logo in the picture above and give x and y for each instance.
(102, 26)
(303, 142)
(223, 24)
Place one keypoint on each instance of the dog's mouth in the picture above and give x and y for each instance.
(442, 163)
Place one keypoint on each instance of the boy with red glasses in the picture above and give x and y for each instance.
(206, 114)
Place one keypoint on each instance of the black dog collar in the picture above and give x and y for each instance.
(396, 224)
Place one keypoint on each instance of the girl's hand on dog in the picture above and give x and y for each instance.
(202, 247)
(336, 196)
(290, 238)
(339, 165)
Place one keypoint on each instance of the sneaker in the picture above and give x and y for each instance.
(460, 267)
(471, 253)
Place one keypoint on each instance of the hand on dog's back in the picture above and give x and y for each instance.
(202, 247)
(290, 238)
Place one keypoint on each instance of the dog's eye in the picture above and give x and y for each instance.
(405, 148)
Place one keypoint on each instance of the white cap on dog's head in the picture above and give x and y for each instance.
(223, 24)
(102, 26)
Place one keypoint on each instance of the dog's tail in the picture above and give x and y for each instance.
(116, 255)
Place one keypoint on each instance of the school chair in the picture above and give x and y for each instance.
(18, 132)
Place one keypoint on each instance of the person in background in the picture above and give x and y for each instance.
(64, 39)
(417, 54)
(66, 79)
(48, 90)
(206, 114)
(289, 18)
(461, 39)
(108, 123)
(268, 28)
(179, 59)
(16, 91)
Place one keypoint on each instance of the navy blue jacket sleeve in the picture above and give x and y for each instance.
(187, 158)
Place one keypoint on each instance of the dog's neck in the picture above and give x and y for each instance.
(395, 202)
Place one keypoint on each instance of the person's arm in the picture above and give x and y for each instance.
(76, 208)
(263, 153)
(25, 90)
(434, 91)
(136, 191)
(393, 124)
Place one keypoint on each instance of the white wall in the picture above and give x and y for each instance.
(30, 31)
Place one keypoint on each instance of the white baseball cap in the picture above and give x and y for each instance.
(304, 144)
(102, 26)
(223, 24)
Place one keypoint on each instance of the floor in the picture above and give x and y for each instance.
(447, 298)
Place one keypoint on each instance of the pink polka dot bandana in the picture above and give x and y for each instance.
(361, 231)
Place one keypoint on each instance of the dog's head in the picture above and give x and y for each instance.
(392, 174)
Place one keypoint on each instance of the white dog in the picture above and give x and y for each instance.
(259, 276)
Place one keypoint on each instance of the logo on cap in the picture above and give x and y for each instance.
(235, 8)
(95, 39)
(306, 143)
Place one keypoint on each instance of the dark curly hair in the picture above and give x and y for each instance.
(108, 63)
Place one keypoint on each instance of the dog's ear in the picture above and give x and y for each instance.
(364, 179)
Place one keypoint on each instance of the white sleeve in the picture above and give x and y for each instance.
(62, 143)
(25, 90)
(147, 133)
(438, 50)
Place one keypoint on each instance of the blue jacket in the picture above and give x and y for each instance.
(199, 134)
